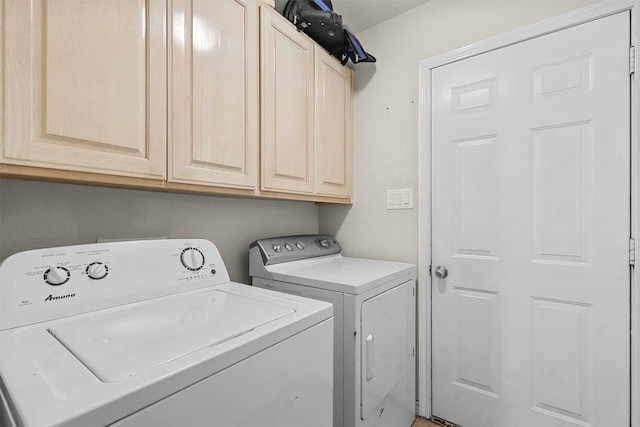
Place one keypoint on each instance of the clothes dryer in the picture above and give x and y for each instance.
(374, 322)
(154, 333)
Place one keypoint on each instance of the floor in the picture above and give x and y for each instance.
(423, 422)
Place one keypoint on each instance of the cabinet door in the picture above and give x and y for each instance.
(214, 107)
(85, 85)
(333, 126)
(287, 106)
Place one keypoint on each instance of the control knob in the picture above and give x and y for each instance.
(97, 270)
(192, 259)
(56, 276)
(324, 242)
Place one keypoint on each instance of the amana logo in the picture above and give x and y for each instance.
(52, 298)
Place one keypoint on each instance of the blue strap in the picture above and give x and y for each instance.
(322, 5)
(357, 46)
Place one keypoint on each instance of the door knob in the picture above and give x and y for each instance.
(441, 271)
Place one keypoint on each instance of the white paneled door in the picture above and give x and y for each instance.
(531, 218)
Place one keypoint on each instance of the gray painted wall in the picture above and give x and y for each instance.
(39, 214)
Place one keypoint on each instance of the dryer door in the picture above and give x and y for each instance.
(386, 344)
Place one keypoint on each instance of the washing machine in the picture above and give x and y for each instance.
(374, 322)
(153, 333)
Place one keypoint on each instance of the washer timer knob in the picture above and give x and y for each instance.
(192, 259)
(97, 270)
(57, 276)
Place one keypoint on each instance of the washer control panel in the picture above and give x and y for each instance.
(46, 284)
(276, 250)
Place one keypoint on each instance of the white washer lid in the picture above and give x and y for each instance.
(123, 343)
(341, 274)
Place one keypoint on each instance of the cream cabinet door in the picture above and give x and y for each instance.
(214, 93)
(287, 106)
(333, 126)
(85, 86)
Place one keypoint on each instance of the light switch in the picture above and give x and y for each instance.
(401, 198)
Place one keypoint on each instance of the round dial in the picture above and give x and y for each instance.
(56, 276)
(192, 259)
(97, 270)
(324, 243)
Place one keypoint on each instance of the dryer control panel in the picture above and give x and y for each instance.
(46, 284)
(276, 250)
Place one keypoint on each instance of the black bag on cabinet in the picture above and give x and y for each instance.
(317, 19)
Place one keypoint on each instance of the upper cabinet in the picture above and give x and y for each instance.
(306, 113)
(333, 126)
(85, 86)
(214, 93)
(211, 96)
(287, 106)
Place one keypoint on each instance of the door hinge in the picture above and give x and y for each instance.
(632, 251)
(632, 59)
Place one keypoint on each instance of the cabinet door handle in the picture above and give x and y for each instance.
(370, 358)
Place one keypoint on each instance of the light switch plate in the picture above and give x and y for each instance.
(400, 198)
